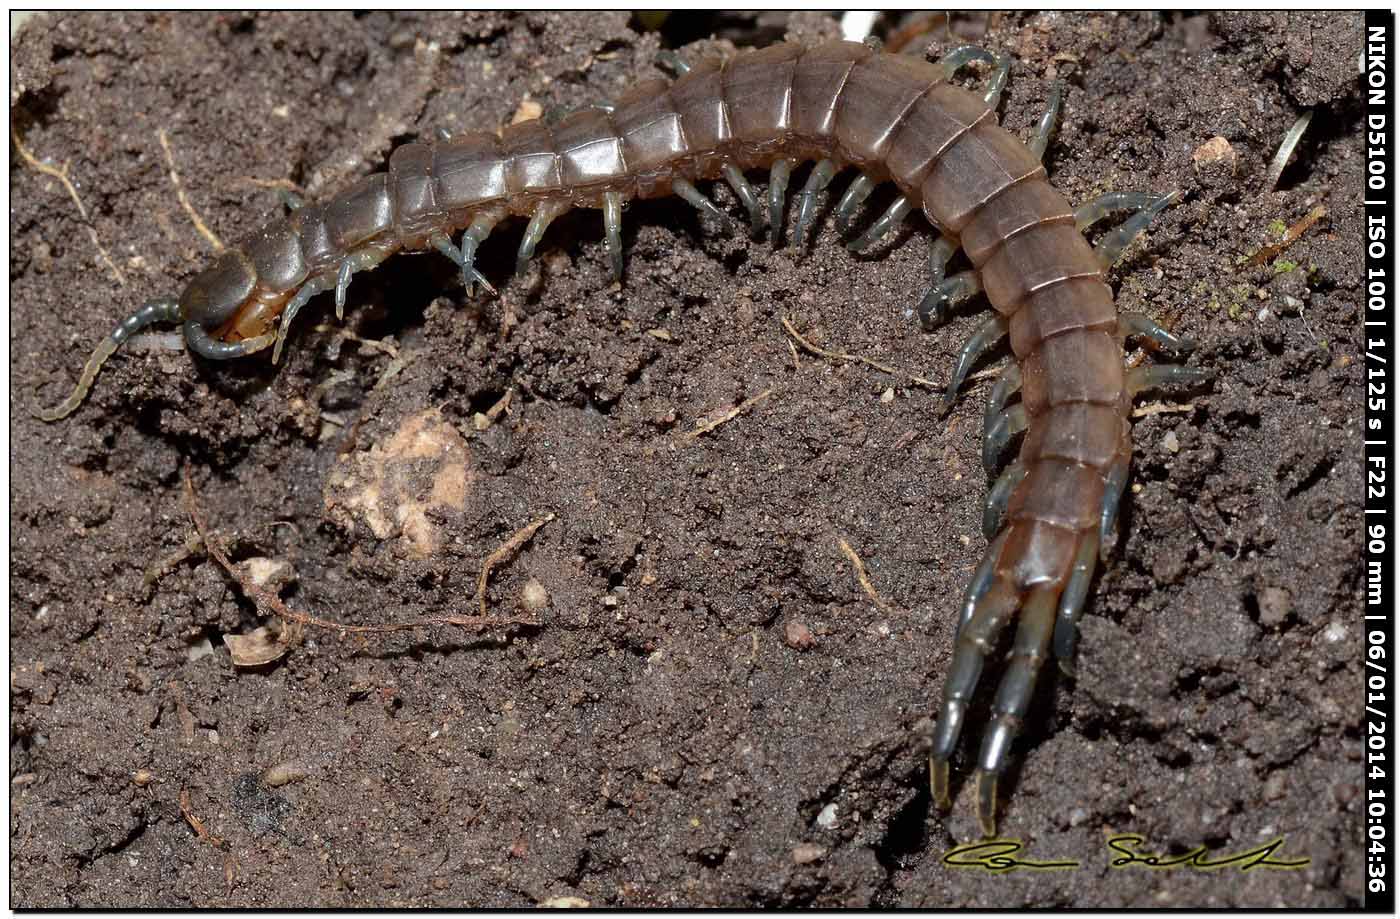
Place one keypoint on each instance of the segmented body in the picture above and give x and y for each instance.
(895, 118)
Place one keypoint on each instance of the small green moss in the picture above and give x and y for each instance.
(1278, 227)
(1283, 266)
(1235, 311)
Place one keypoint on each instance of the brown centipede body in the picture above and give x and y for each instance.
(1050, 514)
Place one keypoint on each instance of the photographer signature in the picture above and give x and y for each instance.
(1002, 856)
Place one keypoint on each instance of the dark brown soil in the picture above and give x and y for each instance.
(711, 709)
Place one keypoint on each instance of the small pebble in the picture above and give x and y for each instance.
(284, 773)
(887, 396)
(533, 597)
(827, 818)
(807, 853)
(1171, 443)
(141, 778)
(1275, 603)
(797, 636)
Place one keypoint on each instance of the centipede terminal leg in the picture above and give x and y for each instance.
(1028, 653)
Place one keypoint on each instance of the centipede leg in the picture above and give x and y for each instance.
(470, 275)
(1008, 424)
(164, 309)
(1091, 212)
(1048, 122)
(994, 511)
(855, 195)
(935, 307)
(544, 215)
(1110, 249)
(747, 195)
(1006, 386)
(980, 629)
(998, 81)
(612, 229)
(820, 178)
(289, 312)
(777, 196)
(672, 62)
(982, 340)
(1114, 483)
(1072, 601)
(692, 195)
(292, 201)
(959, 57)
(342, 284)
(1150, 376)
(1013, 697)
(1141, 325)
(896, 212)
(203, 344)
(472, 239)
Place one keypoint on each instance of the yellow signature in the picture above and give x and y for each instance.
(1003, 856)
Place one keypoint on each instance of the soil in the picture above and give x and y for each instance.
(708, 707)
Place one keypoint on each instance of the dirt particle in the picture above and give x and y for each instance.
(807, 853)
(1215, 159)
(284, 774)
(797, 636)
(1275, 603)
(142, 777)
(534, 598)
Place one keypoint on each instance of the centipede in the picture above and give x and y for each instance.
(1050, 515)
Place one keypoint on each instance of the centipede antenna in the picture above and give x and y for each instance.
(747, 195)
(163, 309)
(612, 229)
